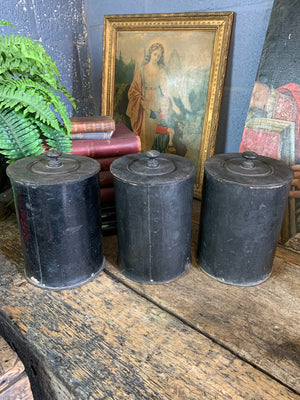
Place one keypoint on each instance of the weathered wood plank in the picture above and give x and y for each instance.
(19, 390)
(288, 254)
(260, 324)
(14, 383)
(9, 361)
(103, 341)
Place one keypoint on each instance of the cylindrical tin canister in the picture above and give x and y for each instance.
(154, 196)
(244, 200)
(58, 208)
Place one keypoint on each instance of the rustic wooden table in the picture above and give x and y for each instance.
(194, 338)
(14, 382)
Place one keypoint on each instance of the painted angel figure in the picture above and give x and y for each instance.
(149, 84)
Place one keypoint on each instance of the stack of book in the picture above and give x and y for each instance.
(99, 137)
(91, 128)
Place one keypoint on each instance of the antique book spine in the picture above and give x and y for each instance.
(106, 178)
(105, 162)
(92, 124)
(122, 142)
(107, 194)
(92, 135)
(100, 148)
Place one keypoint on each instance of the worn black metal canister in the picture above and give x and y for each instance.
(154, 196)
(244, 200)
(58, 207)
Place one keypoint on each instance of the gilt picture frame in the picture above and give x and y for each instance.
(163, 77)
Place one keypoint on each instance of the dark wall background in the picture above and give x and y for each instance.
(71, 31)
(282, 39)
(60, 27)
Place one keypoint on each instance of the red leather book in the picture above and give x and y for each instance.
(107, 194)
(96, 123)
(106, 178)
(122, 142)
(105, 162)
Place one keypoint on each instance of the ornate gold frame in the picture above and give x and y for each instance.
(218, 22)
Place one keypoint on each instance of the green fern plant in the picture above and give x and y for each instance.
(32, 115)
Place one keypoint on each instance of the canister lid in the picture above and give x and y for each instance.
(52, 167)
(151, 167)
(248, 168)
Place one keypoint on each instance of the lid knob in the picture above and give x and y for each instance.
(248, 159)
(152, 161)
(53, 161)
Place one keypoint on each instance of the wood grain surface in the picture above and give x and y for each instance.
(14, 383)
(193, 338)
(260, 324)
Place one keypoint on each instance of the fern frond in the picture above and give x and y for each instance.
(26, 48)
(25, 83)
(29, 101)
(6, 23)
(23, 86)
(56, 139)
(19, 136)
(64, 91)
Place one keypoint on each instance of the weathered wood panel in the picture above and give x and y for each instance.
(261, 324)
(14, 383)
(288, 255)
(103, 341)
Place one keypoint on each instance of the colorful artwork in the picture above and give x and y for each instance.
(168, 88)
(163, 77)
(272, 125)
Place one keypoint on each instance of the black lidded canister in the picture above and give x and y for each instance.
(154, 198)
(244, 201)
(58, 208)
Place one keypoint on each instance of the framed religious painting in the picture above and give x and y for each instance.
(163, 77)
(272, 126)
